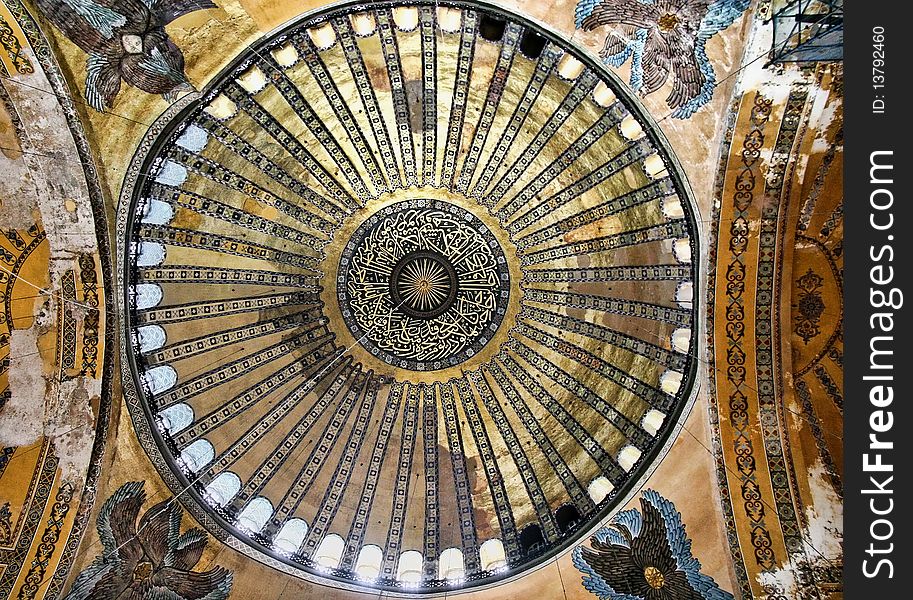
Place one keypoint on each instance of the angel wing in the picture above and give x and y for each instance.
(720, 15)
(680, 545)
(117, 517)
(593, 583)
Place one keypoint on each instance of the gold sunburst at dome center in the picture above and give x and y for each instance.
(654, 577)
(424, 284)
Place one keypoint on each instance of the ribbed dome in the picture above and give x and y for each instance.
(411, 296)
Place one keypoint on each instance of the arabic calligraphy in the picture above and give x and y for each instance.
(424, 284)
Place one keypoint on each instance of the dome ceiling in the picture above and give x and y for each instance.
(410, 294)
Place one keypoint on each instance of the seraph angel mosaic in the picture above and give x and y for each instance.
(645, 556)
(663, 39)
(125, 40)
(149, 560)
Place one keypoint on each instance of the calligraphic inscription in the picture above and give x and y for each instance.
(423, 284)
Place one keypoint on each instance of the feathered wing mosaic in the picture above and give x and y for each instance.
(149, 560)
(664, 39)
(125, 40)
(645, 555)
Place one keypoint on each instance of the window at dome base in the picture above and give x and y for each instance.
(411, 296)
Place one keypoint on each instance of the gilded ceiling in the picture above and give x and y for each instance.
(396, 299)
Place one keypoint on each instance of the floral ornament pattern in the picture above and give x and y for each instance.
(663, 39)
(645, 556)
(810, 306)
(151, 561)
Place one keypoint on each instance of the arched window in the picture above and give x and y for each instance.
(531, 540)
(157, 212)
(150, 337)
(176, 417)
(681, 339)
(194, 138)
(599, 488)
(197, 455)
(670, 382)
(147, 295)
(450, 564)
(370, 559)
(628, 457)
(492, 556)
(567, 516)
(160, 378)
(409, 567)
(255, 515)
(149, 254)
(289, 538)
(330, 550)
(222, 489)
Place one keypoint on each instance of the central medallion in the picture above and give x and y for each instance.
(423, 284)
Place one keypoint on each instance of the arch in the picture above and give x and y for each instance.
(492, 556)
(255, 515)
(194, 138)
(290, 536)
(451, 565)
(222, 489)
(172, 174)
(329, 552)
(567, 516)
(370, 559)
(197, 455)
(672, 208)
(160, 378)
(323, 36)
(252, 80)
(147, 295)
(600, 488)
(157, 212)
(363, 24)
(176, 417)
(150, 337)
(286, 56)
(405, 17)
(409, 566)
(449, 19)
(531, 539)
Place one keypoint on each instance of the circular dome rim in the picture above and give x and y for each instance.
(158, 446)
